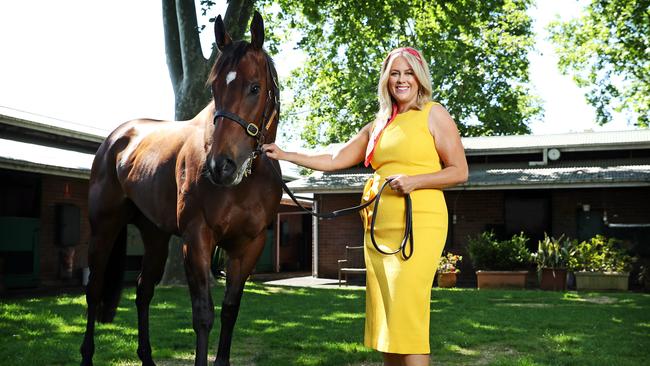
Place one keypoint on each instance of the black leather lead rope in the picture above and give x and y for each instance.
(408, 227)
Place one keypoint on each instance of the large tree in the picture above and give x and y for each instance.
(477, 52)
(188, 70)
(607, 50)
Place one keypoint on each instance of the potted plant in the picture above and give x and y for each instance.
(552, 259)
(600, 264)
(499, 263)
(447, 269)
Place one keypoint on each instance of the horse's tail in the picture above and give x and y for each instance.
(113, 280)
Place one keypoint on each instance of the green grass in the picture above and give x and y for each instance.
(292, 326)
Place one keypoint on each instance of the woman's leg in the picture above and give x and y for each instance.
(415, 360)
(392, 359)
(395, 359)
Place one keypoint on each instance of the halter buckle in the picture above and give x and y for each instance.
(252, 130)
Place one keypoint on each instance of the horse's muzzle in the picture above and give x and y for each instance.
(223, 170)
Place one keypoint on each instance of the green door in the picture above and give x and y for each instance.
(19, 251)
(590, 224)
(265, 263)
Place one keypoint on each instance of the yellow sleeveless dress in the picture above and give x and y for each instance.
(398, 292)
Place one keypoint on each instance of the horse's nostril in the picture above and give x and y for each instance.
(227, 167)
(221, 169)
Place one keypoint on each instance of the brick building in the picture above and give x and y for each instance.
(577, 184)
(44, 231)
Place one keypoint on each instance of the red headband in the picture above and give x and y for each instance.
(409, 50)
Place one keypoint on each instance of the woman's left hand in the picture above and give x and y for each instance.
(401, 183)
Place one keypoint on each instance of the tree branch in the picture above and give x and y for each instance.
(172, 45)
(237, 16)
(192, 56)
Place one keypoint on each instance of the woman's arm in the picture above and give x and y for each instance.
(352, 153)
(451, 152)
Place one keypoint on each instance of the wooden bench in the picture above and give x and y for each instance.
(353, 263)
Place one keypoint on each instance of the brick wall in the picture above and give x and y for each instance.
(61, 190)
(477, 211)
(335, 234)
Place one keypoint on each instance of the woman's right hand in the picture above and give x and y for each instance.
(274, 152)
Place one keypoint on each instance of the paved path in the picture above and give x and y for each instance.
(309, 281)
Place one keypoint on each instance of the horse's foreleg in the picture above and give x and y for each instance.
(241, 262)
(198, 250)
(153, 266)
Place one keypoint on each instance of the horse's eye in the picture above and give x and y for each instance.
(255, 89)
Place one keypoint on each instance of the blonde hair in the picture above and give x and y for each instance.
(421, 71)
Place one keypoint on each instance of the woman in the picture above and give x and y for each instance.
(415, 144)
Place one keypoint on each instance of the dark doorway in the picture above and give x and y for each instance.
(529, 212)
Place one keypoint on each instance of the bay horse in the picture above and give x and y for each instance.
(201, 179)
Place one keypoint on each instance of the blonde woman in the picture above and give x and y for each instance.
(414, 143)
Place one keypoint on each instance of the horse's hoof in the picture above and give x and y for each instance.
(221, 363)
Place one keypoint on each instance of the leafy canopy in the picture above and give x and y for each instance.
(607, 51)
(476, 50)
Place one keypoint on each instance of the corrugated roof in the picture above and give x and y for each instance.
(615, 173)
(581, 140)
(43, 159)
(52, 125)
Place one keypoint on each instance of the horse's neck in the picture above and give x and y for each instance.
(205, 116)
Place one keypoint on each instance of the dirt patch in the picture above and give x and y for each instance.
(483, 355)
(243, 356)
(602, 300)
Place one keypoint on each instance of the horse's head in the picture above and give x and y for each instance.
(246, 101)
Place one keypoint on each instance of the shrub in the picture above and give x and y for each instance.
(553, 253)
(599, 254)
(488, 253)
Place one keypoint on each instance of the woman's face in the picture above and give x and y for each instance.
(402, 84)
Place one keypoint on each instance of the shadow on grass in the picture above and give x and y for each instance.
(293, 326)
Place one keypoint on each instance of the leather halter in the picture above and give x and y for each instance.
(253, 130)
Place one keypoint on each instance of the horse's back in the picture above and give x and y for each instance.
(137, 162)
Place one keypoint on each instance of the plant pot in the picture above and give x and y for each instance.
(602, 281)
(553, 279)
(447, 280)
(501, 279)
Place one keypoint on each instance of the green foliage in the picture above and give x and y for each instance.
(607, 50)
(599, 254)
(553, 253)
(489, 253)
(476, 50)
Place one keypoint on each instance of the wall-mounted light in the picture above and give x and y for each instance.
(453, 219)
(586, 208)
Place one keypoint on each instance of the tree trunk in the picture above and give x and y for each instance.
(188, 71)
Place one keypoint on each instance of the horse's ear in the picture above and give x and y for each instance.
(221, 36)
(257, 31)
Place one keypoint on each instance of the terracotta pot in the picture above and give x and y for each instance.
(501, 279)
(553, 279)
(447, 280)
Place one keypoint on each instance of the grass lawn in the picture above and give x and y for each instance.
(298, 326)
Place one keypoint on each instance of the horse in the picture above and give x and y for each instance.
(203, 179)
